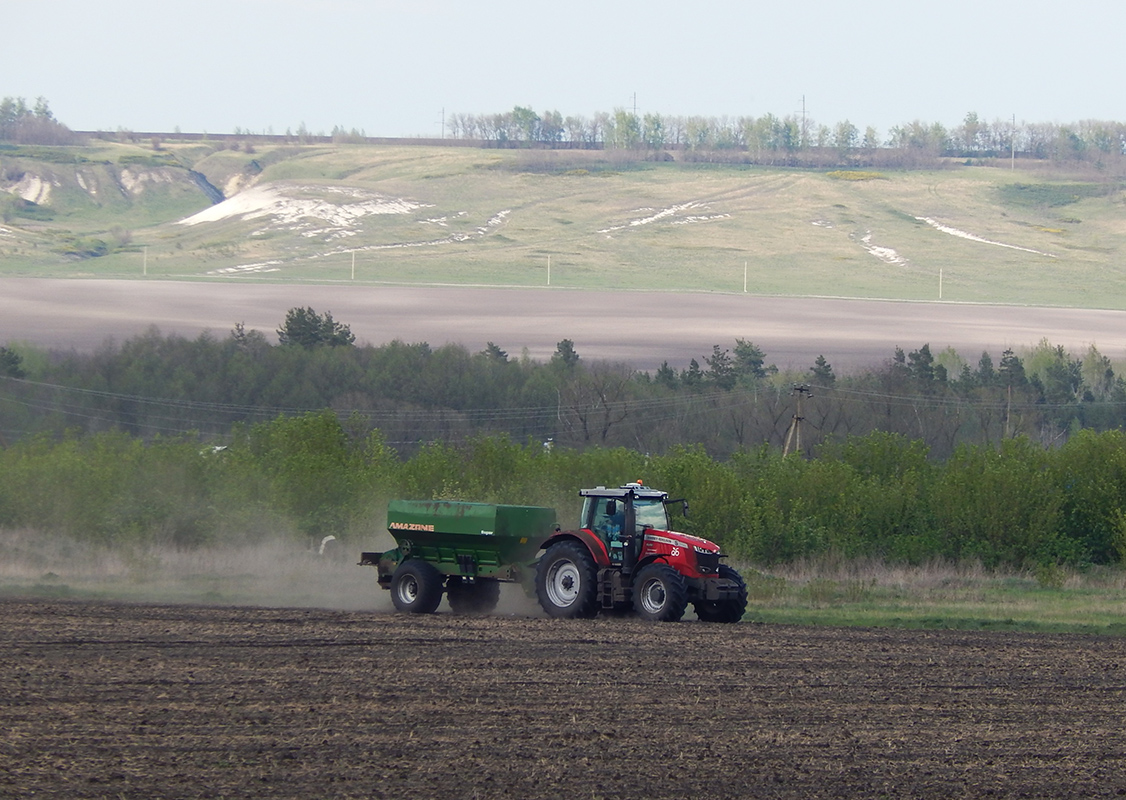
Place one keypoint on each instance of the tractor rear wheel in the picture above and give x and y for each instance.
(730, 610)
(660, 593)
(566, 582)
(479, 597)
(416, 587)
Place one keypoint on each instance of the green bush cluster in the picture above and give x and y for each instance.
(874, 496)
(880, 496)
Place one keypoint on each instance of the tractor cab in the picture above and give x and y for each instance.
(620, 516)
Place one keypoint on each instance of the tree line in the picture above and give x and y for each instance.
(307, 476)
(731, 399)
(798, 140)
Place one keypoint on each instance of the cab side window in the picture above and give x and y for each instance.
(608, 519)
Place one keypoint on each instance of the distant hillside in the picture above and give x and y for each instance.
(587, 219)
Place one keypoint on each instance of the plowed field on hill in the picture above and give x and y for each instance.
(142, 701)
(620, 326)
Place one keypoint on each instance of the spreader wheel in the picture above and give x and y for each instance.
(416, 587)
(479, 597)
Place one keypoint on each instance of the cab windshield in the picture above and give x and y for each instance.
(650, 514)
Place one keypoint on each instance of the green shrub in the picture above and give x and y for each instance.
(1000, 506)
(1090, 472)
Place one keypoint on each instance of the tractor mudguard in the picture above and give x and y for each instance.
(643, 562)
(595, 545)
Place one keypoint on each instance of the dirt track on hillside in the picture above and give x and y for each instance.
(141, 701)
(641, 328)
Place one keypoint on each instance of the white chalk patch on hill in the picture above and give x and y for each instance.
(974, 238)
(293, 207)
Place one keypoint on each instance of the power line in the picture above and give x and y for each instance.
(179, 416)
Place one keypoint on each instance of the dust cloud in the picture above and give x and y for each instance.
(272, 574)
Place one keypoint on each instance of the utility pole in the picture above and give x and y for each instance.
(1008, 409)
(793, 435)
(803, 134)
(1013, 143)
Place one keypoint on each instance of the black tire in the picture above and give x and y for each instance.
(731, 610)
(660, 593)
(566, 582)
(479, 597)
(416, 587)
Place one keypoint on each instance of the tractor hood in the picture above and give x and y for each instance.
(678, 539)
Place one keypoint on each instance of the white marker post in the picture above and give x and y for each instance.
(744, 277)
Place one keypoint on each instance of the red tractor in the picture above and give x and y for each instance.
(625, 556)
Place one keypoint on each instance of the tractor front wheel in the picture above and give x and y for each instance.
(566, 581)
(416, 587)
(660, 593)
(730, 610)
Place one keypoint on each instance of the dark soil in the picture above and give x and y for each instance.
(143, 701)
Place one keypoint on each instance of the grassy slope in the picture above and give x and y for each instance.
(797, 232)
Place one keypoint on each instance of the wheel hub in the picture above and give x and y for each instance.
(563, 584)
(408, 590)
(653, 596)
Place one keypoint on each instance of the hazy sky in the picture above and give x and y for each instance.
(390, 67)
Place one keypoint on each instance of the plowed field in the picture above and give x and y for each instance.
(793, 331)
(143, 701)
